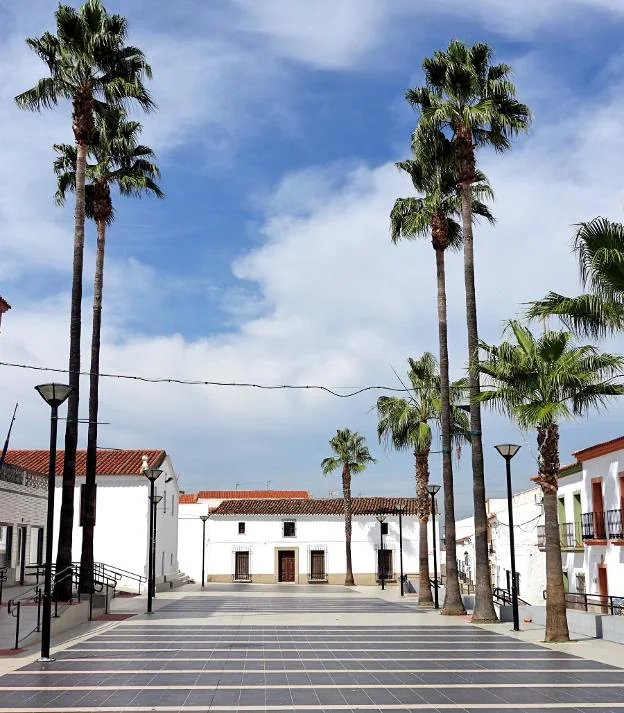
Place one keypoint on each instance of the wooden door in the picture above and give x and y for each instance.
(384, 564)
(241, 566)
(286, 566)
(598, 509)
(603, 587)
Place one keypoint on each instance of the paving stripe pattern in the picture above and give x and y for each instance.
(161, 665)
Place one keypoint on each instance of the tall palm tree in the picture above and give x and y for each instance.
(118, 161)
(474, 103)
(599, 245)
(90, 65)
(539, 382)
(434, 213)
(404, 423)
(352, 456)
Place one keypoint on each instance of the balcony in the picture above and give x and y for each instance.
(615, 529)
(593, 526)
(569, 536)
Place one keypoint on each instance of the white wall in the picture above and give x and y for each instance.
(263, 534)
(121, 537)
(190, 538)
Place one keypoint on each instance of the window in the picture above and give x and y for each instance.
(384, 528)
(241, 566)
(289, 529)
(241, 528)
(317, 566)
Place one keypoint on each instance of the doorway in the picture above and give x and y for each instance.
(286, 566)
(603, 587)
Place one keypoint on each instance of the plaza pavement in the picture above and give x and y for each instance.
(298, 648)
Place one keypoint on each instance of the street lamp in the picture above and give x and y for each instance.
(54, 395)
(381, 519)
(508, 451)
(155, 500)
(152, 474)
(203, 518)
(432, 490)
(400, 507)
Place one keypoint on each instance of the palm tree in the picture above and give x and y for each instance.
(473, 102)
(433, 176)
(352, 455)
(90, 65)
(120, 161)
(404, 424)
(538, 382)
(599, 245)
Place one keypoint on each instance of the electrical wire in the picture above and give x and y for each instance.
(355, 390)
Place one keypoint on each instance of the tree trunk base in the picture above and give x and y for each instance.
(425, 603)
(349, 583)
(453, 611)
(484, 619)
(557, 640)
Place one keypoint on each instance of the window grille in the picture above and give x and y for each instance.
(242, 568)
(317, 563)
(241, 528)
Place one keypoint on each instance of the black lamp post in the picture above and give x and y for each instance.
(54, 395)
(152, 474)
(155, 500)
(433, 489)
(508, 451)
(203, 518)
(381, 519)
(400, 507)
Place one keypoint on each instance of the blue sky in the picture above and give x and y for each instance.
(269, 259)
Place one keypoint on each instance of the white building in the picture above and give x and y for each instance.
(303, 540)
(121, 536)
(194, 505)
(23, 507)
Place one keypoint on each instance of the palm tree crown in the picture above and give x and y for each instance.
(118, 159)
(350, 452)
(599, 245)
(540, 381)
(89, 64)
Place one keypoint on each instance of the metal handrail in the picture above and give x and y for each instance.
(607, 604)
(504, 596)
(3, 578)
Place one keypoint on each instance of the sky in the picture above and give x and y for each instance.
(269, 260)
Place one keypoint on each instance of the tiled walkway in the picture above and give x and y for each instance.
(176, 664)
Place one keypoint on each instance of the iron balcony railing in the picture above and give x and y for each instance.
(594, 526)
(570, 536)
(614, 525)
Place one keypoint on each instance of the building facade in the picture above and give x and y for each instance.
(302, 541)
(23, 507)
(121, 537)
(190, 527)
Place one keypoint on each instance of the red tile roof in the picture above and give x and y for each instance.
(251, 494)
(109, 462)
(600, 449)
(189, 498)
(314, 506)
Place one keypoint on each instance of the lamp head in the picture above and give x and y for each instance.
(156, 499)
(432, 489)
(152, 473)
(507, 450)
(381, 518)
(54, 394)
(203, 518)
(399, 507)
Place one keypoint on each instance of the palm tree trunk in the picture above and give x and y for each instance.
(346, 493)
(453, 604)
(66, 521)
(88, 523)
(556, 619)
(425, 598)
(484, 606)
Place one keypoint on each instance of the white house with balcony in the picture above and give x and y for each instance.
(121, 538)
(194, 506)
(23, 507)
(302, 541)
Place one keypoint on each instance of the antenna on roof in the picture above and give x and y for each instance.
(237, 486)
(6, 443)
(269, 484)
